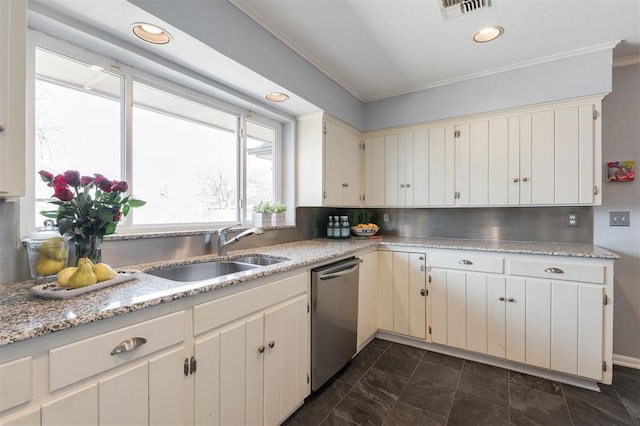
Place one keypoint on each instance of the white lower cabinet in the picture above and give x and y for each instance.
(367, 298)
(254, 371)
(524, 315)
(403, 293)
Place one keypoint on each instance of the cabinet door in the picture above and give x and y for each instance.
(538, 323)
(498, 173)
(374, 168)
(590, 331)
(515, 319)
(167, 388)
(391, 171)
(273, 372)
(524, 182)
(478, 164)
(496, 313)
(476, 311)
(441, 166)
(542, 157)
(343, 166)
(417, 296)
(123, 399)
(79, 407)
(233, 351)
(385, 290)
(405, 169)
(256, 349)
(401, 293)
(456, 309)
(462, 165)
(514, 161)
(13, 48)
(291, 360)
(367, 298)
(207, 380)
(439, 306)
(29, 418)
(420, 159)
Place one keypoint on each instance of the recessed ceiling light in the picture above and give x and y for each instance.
(488, 34)
(276, 97)
(151, 33)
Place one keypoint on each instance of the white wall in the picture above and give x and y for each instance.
(621, 141)
(588, 74)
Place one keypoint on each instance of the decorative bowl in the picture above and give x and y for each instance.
(365, 232)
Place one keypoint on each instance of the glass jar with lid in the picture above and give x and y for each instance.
(48, 251)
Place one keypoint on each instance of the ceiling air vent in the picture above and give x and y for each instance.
(453, 8)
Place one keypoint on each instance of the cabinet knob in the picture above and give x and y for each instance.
(345, 185)
(408, 185)
(525, 179)
(511, 299)
(501, 298)
(1, 127)
(261, 348)
(423, 292)
(516, 179)
(402, 185)
(272, 344)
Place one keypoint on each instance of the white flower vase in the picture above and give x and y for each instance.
(261, 219)
(277, 219)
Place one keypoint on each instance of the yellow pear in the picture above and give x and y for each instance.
(64, 275)
(84, 275)
(47, 266)
(104, 272)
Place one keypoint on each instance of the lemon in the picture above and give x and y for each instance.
(47, 266)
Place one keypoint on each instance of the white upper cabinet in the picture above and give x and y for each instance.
(548, 155)
(329, 163)
(13, 50)
(413, 168)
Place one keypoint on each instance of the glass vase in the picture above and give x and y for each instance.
(90, 247)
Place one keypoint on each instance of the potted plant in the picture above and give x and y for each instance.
(262, 214)
(277, 217)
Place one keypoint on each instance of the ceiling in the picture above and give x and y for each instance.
(372, 48)
(382, 48)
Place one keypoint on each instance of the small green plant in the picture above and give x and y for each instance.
(279, 207)
(263, 207)
(360, 216)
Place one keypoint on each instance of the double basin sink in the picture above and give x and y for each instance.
(215, 268)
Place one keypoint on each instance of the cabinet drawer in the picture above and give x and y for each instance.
(16, 383)
(210, 315)
(554, 270)
(77, 361)
(467, 262)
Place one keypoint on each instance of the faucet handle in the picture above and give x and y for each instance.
(226, 228)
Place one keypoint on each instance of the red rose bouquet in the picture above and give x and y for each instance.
(89, 207)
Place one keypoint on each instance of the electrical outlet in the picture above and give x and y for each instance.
(385, 218)
(619, 219)
(572, 219)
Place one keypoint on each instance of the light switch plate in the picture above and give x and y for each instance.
(619, 219)
(385, 217)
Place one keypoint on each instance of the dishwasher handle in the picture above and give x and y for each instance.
(330, 274)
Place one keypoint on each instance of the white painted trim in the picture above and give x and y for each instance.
(626, 361)
(486, 359)
(627, 60)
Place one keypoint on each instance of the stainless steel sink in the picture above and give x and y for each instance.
(258, 259)
(202, 271)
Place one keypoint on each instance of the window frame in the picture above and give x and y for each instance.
(130, 75)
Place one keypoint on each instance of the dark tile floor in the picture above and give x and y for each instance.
(393, 384)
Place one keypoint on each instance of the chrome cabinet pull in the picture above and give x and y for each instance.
(501, 298)
(525, 179)
(408, 185)
(465, 262)
(515, 180)
(272, 344)
(423, 292)
(402, 185)
(554, 270)
(129, 345)
(345, 185)
(261, 348)
(511, 299)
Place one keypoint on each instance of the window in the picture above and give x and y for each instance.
(181, 151)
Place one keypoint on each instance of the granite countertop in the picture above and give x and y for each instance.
(25, 315)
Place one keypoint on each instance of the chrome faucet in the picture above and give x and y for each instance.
(222, 237)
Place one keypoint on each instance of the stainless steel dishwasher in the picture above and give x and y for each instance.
(334, 318)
